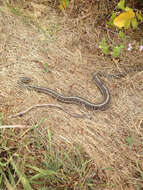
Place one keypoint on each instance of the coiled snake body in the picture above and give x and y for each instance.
(23, 81)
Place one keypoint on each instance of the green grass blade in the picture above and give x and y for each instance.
(21, 176)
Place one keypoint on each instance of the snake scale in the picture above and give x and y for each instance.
(23, 81)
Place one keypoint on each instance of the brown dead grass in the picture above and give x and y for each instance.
(72, 55)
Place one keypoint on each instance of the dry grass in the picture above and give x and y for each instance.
(70, 48)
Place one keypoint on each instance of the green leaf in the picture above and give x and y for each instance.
(134, 22)
(121, 5)
(103, 42)
(104, 46)
(21, 176)
(122, 46)
(139, 16)
(110, 22)
(127, 24)
(117, 50)
(121, 34)
(3, 164)
(42, 171)
(128, 9)
(15, 11)
(46, 65)
(105, 50)
(130, 141)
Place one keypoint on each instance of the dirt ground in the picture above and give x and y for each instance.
(72, 55)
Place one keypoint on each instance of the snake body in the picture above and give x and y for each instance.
(73, 99)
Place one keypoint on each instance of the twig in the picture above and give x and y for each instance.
(65, 139)
(51, 106)
(13, 126)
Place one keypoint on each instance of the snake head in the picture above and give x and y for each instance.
(24, 80)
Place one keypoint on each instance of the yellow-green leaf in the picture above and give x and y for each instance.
(139, 16)
(127, 24)
(124, 19)
(128, 9)
(121, 4)
(134, 22)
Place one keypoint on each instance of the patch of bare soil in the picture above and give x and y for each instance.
(113, 138)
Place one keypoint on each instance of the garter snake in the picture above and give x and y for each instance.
(23, 81)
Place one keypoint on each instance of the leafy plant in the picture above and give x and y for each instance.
(117, 50)
(45, 67)
(127, 19)
(103, 45)
(130, 142)
(121, 35)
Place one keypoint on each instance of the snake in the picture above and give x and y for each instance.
(24, 81)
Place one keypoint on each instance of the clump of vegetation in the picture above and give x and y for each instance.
(127, 19)
(27, 162)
